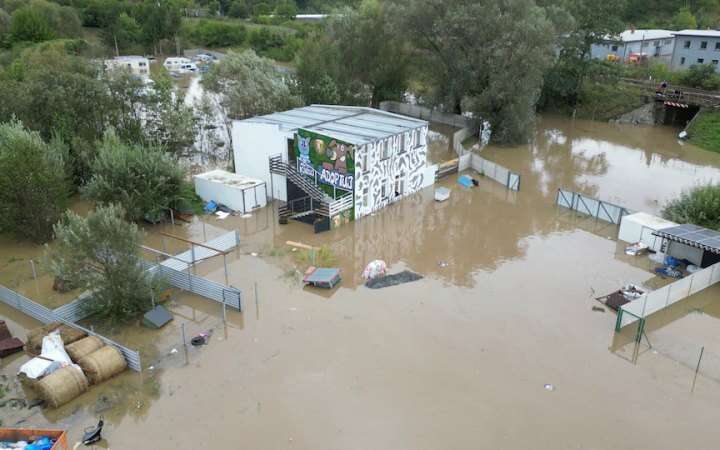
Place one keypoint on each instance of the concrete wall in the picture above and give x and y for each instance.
(691, 55)
(253, 144)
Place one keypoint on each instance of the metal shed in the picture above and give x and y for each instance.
(698, 245)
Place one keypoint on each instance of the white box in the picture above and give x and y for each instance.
(639, 227)
(237, 192)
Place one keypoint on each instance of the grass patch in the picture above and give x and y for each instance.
(322, 257)
(705, 131)
(606, 101)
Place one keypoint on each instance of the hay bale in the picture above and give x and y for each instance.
(35, 337)
(80, 349)
(62, 386)
(103, 364)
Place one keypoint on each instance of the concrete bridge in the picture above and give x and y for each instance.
(677, 96)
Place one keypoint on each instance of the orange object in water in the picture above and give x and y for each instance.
(30, 434)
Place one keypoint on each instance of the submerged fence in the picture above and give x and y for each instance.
(652, 302)
(201, 286)
(496, 172)
(593, 207)
(46, 315)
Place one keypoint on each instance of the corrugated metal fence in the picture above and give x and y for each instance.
(198, 285)
(496, 172)
(591, 206)
(46, 315)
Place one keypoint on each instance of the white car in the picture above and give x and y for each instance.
(180, 65)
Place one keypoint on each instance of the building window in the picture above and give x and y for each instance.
(384, 191)
(701, 60)
(682, 61)
(703, 45)
(715, 62)
(667, 42)
(717, 46)
(687, 44)
(645, 44)
(614, 48)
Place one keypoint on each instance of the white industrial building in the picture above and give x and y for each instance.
(334, 163)
(635, 45)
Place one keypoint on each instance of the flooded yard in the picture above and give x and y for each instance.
(457, 360)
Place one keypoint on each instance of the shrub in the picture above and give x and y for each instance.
(701, 76)
(145, 181)
(101, 253)
(211, 33)
(699, 205)
(34, 185)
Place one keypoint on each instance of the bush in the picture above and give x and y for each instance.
(145, 181)
(701, 76)
(101, 253)
(34, 185)
(238, 9)
(699, 205)
(212, 33)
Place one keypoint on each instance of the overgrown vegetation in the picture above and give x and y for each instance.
(145, 180)
(34, 185)
(699, 205)
(250, 85)
(101, 253)
(705, 131)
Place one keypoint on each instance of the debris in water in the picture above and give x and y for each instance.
(151, 368)
(246, 216)
(598, 309)
(173, 351)
(549, 387)
(374, 269)
(443, 263)
(93, 434)
(253, 254)
(202, 338)
(392, 280)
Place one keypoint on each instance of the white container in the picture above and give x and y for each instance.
(639, 227)
(237, 192)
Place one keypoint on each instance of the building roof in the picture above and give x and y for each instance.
(642, 35)
(692, 235)
(352, 124)
(129, 58)
(699, 33)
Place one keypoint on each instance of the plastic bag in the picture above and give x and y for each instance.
(374, 269)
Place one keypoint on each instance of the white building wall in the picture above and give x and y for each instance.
(381, 167)
(253, 145)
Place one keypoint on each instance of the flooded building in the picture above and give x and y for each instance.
(137, 65)
(334, 164)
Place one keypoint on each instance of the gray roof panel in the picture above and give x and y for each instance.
(692, 235)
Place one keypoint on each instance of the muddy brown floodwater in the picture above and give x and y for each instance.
(457, 360)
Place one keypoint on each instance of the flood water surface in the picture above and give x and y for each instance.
(497, 347)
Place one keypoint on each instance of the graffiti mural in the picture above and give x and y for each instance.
(389, 169)
(327, 160)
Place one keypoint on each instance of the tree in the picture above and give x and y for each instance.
(701, 76)
(684, 20)
(250, 85)
(101, 253)
(486, 57)
(34, 186)
(28, 24)
(144, 180)
(4, 22)
(699, 206)
(238, 9)
(122, 32)
(364, 54)
(286, 10)
(158, 21)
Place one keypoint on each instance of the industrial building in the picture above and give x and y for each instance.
(333, 164)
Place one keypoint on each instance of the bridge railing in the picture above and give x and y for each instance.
(677, 93)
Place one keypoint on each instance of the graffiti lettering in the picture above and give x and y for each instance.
(343, 181)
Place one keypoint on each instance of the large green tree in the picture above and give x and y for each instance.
(40, 20)
(249, 85)
(486, 57)
(34, 186)
(361, 57)
(101, 253)
(145, 180)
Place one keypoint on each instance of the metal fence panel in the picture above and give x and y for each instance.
(496, 172)
(46, 315)
(201, 286)
(74, 311)
(591, 206)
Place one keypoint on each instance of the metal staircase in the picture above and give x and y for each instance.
(316, 201)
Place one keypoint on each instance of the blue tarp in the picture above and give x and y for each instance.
(465, 181)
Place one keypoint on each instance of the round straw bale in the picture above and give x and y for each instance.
(35, 337)
(80, 349)
(103, 364)
(62, 386)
